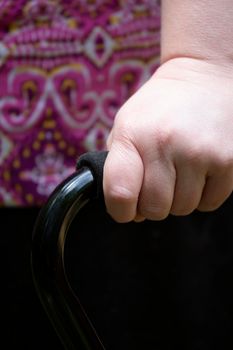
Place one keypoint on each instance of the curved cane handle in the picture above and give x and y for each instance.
(47, 256)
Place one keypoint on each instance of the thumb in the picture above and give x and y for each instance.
(122, 181)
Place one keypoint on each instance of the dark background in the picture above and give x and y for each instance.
(24, 322)
(145, 286)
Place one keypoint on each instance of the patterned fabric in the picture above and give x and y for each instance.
(66, 66)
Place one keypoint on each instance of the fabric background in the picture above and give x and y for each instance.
(66, 66)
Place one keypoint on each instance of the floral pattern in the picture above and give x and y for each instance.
(66, 66)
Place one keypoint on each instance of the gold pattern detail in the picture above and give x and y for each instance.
(26, 153)
(114, 20)
(6, 175)
(36, 145)
(16, 163)
(18, 188)
(29, 198)
(72, 23)
(57, 135)
(68, 84)
(49, 124)
(41, 135)
(71, 151)
(62, 144)
(49, 112)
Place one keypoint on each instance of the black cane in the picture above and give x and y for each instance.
(62, 306)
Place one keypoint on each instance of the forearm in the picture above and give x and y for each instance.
(201, 29)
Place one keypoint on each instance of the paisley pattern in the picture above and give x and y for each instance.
(66, 66)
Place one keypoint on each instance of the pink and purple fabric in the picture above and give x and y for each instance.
(66, 66)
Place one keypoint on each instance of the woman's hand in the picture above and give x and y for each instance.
(171, 146)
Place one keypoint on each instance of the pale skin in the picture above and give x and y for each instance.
(171, 145)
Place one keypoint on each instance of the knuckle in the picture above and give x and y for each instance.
(154, 213)
(224, 162)
(122, 138)
(182, 211)
(121, 194)
(209, 153)
(207, 206)
(210, 203)
(164, 139)
(194, 154)
(220, 164)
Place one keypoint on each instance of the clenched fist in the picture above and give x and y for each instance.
(171, 146)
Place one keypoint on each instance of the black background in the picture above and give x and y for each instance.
(146, 286)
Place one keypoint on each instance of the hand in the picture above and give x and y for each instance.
(171, 146)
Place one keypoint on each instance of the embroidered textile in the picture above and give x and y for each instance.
(66, 66)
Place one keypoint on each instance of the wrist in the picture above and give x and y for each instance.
(200, 29)
(195, 70)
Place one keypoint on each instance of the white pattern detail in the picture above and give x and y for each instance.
(3, 53)
(5, 147)
(8, 198)
(99, 37)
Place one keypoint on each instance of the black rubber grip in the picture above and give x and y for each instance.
(95, 162)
